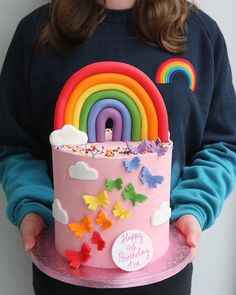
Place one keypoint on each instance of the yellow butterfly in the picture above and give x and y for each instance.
(79, 228)
(120, 212)
(93, 202)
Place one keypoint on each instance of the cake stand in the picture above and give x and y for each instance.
(46, 258)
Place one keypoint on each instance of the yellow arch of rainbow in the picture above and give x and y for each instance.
(113, 81)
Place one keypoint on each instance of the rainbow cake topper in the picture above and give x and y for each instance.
(113, 90)
(175, 65)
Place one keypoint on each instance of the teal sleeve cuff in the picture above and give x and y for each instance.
(35, 199)
(194, 210)
(205, 184)
(27, 187)
(36, 208)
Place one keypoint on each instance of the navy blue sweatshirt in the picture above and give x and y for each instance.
(202, 121)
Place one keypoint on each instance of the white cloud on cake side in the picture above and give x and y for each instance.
(68, 134)
(59, 213)
(161, 215)
(82, 171)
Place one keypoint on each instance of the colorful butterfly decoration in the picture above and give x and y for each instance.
(102, 220)
(157, 147)
(151, 146)
(151, 180)
(112, 184)
(140, 149)
(93, 202)
(98, 240)
(76, 258)
(120, 212)
(130, 165)
(79, 228)
(134, 197)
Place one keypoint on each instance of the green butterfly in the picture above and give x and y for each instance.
(112, 184)
(131, 195)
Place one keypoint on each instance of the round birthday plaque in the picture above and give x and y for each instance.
(132, 250)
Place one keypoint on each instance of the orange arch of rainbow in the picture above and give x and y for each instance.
(108, 74)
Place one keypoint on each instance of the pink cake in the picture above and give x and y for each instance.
(112, 189)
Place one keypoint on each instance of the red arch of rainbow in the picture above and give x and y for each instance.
(118, 68)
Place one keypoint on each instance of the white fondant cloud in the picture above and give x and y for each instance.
(161, 215)
(68, 134)
(82, 171)
(59, 213)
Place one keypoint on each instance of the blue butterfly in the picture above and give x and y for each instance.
(133, 164)
(151, 180)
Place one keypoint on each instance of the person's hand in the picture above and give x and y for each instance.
(189, 226)
(31, 226)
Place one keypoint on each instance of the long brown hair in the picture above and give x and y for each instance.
(160, 23)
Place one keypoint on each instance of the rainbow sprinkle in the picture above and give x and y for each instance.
(93, 151)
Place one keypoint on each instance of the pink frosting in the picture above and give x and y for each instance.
(70, 193)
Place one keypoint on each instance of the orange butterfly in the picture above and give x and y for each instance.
(79, 228)
(102, 220)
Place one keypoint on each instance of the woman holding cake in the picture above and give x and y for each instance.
(182, 51)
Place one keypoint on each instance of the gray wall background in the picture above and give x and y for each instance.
(215, 265)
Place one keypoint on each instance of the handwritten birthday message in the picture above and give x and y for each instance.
(132, 250)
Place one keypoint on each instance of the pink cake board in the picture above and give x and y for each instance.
(46, 258)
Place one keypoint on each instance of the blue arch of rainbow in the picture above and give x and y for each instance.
(136, 106)
(95, 127)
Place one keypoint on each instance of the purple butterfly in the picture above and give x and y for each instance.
(158, 141)
(133, 164)
(157, 147)
(151, 180)
(140, 149)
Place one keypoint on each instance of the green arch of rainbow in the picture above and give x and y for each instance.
(125, 75)
(174, 65)
(122, 97)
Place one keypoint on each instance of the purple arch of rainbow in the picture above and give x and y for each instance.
(174, 65)
(117, 68)
(116, 117)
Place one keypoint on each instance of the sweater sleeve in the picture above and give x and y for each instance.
(26, 185)
(23, 170)
(210, 176)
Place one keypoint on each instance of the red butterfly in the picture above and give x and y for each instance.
(98, 240)
(76, 258)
